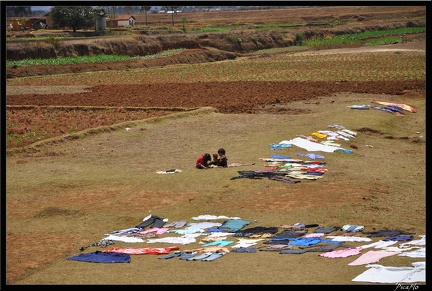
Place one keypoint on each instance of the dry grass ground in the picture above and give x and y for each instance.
(68, 195)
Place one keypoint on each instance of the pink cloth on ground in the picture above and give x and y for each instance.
(342, 253)
(315, 234)
(372, 257)
(158, 230)
(141, 251)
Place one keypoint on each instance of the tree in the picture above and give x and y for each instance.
(18, 11)
(111, 12)
(299, 37)
(173, 10)
(184, 20)
(145, 9)
(99, 11)
(76, 17)
(128, 9)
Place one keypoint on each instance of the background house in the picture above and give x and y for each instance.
(125, 20)
(21, 24)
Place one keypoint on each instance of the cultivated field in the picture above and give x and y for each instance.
(96, 139)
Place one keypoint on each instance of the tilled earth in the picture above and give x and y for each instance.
(227, 97)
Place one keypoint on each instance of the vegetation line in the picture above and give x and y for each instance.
(89, 59)
(378, 37)
(375, 38)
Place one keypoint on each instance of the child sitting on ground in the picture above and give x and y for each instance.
(203, 161)
(222, 159)
(215, 160)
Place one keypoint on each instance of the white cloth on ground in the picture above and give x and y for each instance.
(420, 253)
(380, 244)
(418, 242)
(126, 239)
(210, 217)
(184, 240)
(203, 225)
(246, 242)
(310, 145)
(382, 274)
(348, 238)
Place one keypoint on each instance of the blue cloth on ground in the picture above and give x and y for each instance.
(234, 224)
(304, 241)
(312, 156)
(102, 257)
(280, 145)
(344, 150)
(309, 241)
(279, 157)
(213, 229)
(399, 238)
(220, 243)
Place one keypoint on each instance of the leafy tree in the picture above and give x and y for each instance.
(111, 11)
(128, 9)
(18, 11)
(184, 20)
(299, 37)
(100, 11)
(77, 17)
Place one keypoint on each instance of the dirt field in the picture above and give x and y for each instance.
(34, 256)
(267, 97)
(190, 95)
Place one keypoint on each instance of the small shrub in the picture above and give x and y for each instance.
(299, 39)
(55, 42)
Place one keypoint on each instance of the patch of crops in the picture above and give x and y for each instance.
(383, 41)
(162, 54)
(218, 28)
(87, 59)
(382, 33)
(265, 26)
(380, 66)
(359, 38)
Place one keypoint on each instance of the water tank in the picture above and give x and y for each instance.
(100, 23)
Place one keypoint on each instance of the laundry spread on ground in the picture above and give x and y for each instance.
(397, 109)
(401, 105)
(220, 235)
(321, 140)
(284, 168)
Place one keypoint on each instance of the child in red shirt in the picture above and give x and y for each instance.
(203, 161)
